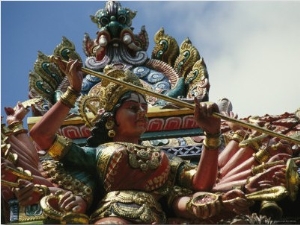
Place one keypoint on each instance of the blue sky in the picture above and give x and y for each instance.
(251, 48)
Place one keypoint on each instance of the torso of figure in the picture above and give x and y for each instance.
(126, 166)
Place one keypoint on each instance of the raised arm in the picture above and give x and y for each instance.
(44, 131)
(206, 174)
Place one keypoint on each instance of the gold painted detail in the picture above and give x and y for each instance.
(143, 157)
(49, 204)
(188, 56)
(58, 175)
(187, 174)
(60, 147)
(137, 207)
(176, 192)
(206, 205)
(166, 48)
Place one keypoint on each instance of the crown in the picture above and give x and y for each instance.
(105, 95)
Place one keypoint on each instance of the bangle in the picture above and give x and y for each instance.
(262, 156)
(69, 97)
(177, 192)
(212, 141)
(257, 169)
(15, 124)
(238, 135)
(206, 205)
(42, 189)
(60, 147)
(17, 128)
(260, 168)
(5, 152)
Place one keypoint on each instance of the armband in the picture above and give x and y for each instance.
(60, 147)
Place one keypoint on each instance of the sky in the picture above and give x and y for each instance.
(251, 48)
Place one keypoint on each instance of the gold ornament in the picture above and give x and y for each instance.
(111, 92)
(203, 205)
(60, 146)
(110, 124)
(212, 141)
(69, 97)
(111, 133)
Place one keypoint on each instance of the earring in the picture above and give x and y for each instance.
(109, 125)
(111, 133)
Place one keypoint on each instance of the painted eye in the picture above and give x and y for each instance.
(104, 20)
(122, 19)
(134, 108)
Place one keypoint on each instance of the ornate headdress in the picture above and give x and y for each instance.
(105, 95)
(111, 92)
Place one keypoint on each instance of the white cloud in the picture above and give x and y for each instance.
(252, 51)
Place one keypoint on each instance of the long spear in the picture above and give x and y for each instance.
(183, 104)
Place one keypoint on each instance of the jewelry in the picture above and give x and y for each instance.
(60, 147)
(203, 203)
(111, 133)
(5, 152)
(42, 189)
(186, 176)
(212, 141)
(17, 128)
(69, 97)
(262, 156)
(111, 92)
(238, 135)
(109, 125)
(176, 192)
(135, 206)
(260, 168)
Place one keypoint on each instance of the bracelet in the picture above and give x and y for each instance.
(203, 204)
(238, 135)
(260, 168)
(257, 169)
(69, 97)
(177, 192)
(42, 189)
(262, 156)
(5, 152)
(60, 147)
(212, 141)
(17, 128)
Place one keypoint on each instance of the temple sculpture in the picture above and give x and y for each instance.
(89, 177)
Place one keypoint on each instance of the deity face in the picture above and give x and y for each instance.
(131, 118)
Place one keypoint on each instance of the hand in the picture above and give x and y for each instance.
(279, 146)
(279, 156)
(232, 126)
(235, 201)
(72, 69)
(70, 202)
(273, 176)
(204, 118)
(6, 174)
(17, 114)
(26, 193)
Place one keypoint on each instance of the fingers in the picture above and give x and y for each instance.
(24, 191)
(204, 109)
(68, 201)
(9, 111)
